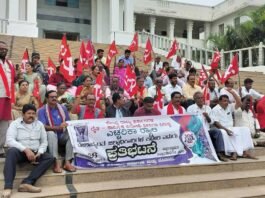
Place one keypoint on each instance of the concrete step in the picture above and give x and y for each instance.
(250, 191)
(170, 185)
(120, 174)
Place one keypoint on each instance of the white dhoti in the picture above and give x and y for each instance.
(239, 142)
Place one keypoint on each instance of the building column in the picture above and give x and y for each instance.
(170, 28)
(13, 11)
(99, 27)
(114, 15)
(94, 20)
(152, 24)
(3, 6)
(189, 38)
(134, 22)
(207, 30)
(32, 11)
(128, 15)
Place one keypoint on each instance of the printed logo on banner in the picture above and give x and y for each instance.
(189, 139)
(81, 133)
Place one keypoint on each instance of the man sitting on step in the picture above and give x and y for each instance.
(54, 117)
(27, 142)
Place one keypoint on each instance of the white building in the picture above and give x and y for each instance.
(100, 19)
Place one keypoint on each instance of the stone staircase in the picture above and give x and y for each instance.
(243, 178)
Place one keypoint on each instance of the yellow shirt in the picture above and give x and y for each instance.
(189, 91)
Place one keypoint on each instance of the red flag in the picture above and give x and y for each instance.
(36, 91)
(25, 59)
(134, 44)
(98, 89)
(130, 81)
(206, 95)
(65, 56)
(82, 59)
(203, 76)
(159, 102)
(90, 53)
(215, 60)
(112, 52)
(173, 49)
(232, 69)
(51, 67)
(148, 52)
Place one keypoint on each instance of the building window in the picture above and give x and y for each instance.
(221, 29)
(63, 3)
(237, 21)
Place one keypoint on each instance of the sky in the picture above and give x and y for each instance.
(200, 2)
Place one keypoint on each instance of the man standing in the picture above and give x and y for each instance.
(237, 140)
(54, 117)
(128, 60)
(247, 90)
(38, 67)
(7, 76)
(100, 56)
(203, 112)
(27, 142)
(117, 110)
(229, 85)
(147, 109)
(214, 93)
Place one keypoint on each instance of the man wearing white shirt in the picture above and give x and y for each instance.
(237, 140)
(229, 84)
(203, 112)
(172, 86)
(176, 62)
(157, 64)
(174, 107)
(152, 91)
(27, 142)
(247, 90)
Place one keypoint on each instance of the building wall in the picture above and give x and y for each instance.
(83, 13)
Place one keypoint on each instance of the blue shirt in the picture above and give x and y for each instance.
(57, 120)
(148, 82)
(127, 61)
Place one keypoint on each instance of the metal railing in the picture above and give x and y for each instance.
(248, 57)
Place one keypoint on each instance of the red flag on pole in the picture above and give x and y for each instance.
(66, 66)
(36, 91)
(159, 102)
(82, 59)
(51, 67)
(232, 70)
(98, 89)
(216, 60)
(148, 52)
(172, 50)
(130, 81)
(90, 53)
(134, 44)
(203, 76)
(206, 95)
(25, 59)
(112, 52)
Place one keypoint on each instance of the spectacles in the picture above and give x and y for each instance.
(52, 96)
(3, 49)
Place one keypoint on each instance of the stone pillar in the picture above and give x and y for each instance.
(13, 10)
(240, 56)
(128, 14)
(222, 60)
(201, 57)
(32, 11)
(99, 22)
(3, 6)
(114, 15)
(94, 20)
(250, 62)
(189, 38)
(207, 30)
(134, 22)
(152, 24)
(261, 55)
(170, 28)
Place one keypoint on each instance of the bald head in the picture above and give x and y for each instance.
(3, 50)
